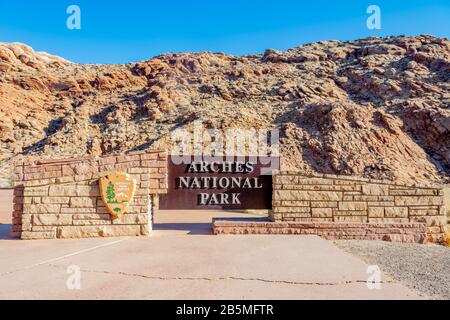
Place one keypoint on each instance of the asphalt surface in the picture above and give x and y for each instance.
(180, 260)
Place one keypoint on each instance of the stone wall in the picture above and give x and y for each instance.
(398, 232)
(328, 198)
(61, 198)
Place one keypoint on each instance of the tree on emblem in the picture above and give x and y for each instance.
(110, 194)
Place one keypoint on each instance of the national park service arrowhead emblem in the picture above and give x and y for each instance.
(117, 190)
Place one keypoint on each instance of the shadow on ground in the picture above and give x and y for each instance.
(5, 232)
(191, 228)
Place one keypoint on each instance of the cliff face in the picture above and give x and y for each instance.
(372, 107)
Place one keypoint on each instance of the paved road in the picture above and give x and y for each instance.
(181, 261)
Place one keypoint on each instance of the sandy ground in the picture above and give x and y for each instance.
(422, 267)
(181, 260)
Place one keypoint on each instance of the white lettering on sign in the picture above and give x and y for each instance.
(217, 182)
(219, 198)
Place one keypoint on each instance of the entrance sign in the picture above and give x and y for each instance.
(117, 191)
(218, 184)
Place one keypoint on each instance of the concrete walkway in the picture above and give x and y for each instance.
(182, 261)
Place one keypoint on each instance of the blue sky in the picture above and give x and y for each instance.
(113, 32)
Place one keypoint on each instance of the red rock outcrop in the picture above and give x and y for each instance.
(372, 107)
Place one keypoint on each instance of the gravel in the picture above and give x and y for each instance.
(425, 268)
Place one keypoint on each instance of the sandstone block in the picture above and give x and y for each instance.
(26, 221)
(292, 210)
(350, 218)
(137, 209)
(153, 184)
(162, 170)
(315, 181)
(430, 221)
(132, 219)
(91, 222)
(149, 156)
(106, 168)
(418, 200)
(144, 185)
(145, 229)
(350, 213)
(376, 212)
(375, 189)
(50, 167)
(323, 204)
(345, 182)
(403, 192)
(102, 210)
(388, 220)
(83, 202)
(36, 200)
(358, 206)
(65, 179)
(322, 212)
(44, 228)
(74, 190)
(423, 212)
(98, 231)
(78, 210)
(41, 208)
(380, 204)
(128, 158)
(38, 235)
(434, 229)
(293, 215)
(150, 191)
(295, 203)
(92, 216)
(56, 200)
(280, 179)
(437, 238)
(307, 195)
(140, 200)
(428, 192)
(276, 216)
(137, 170)
(33, 192)
(312, 187)
(83, 177)
(366, 198)
(52, 219)
(396, 212)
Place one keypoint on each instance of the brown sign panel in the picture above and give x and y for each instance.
(219, 184)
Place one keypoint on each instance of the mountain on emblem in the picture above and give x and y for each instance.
(117, 191)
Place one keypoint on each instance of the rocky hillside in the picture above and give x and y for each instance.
(372, 107)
